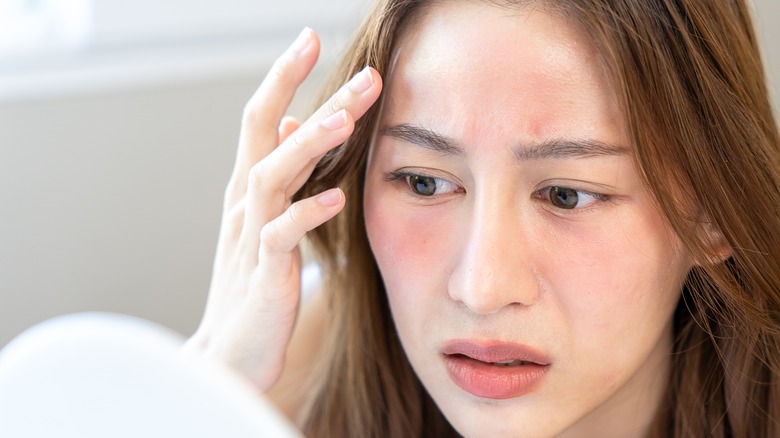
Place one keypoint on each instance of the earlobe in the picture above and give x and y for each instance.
(717, 247)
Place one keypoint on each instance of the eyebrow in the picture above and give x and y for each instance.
(549, 149)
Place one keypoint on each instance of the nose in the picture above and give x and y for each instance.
(495, 268)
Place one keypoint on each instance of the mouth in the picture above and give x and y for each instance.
(510, 363)
(494, 370)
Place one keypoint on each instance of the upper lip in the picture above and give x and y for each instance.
(494, 351)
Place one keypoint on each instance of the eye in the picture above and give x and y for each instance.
(424, 185)
(569, 199)
(428, 185)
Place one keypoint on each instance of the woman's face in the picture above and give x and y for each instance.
(509, 223)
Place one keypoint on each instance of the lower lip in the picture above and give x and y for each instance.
(493, 381)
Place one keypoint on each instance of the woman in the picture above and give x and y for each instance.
(558, 220)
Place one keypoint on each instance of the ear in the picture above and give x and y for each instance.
(717, 247)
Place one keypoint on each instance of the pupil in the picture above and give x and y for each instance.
(423, 185)
(563, 197)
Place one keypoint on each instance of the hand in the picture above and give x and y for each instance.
(255, 289)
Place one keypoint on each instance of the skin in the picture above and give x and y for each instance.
(489, 257)
(254, 298)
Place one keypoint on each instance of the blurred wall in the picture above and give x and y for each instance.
(113, 160)
(112, 168)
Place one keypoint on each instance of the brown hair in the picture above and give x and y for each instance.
(691, 85)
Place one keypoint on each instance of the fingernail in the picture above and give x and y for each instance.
(335, 121)
(361, 81)
(302, 41)
(329, 198)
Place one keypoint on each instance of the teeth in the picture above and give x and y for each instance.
(509, 363)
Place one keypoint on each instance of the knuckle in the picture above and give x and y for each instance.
(252, 114)
(281, 70)
(265, 186)
(232, 193)
(258, 176)
(296, 215)
(298, 139)
(278, 235)
(334, 104)
(234, 221)
(270, 237)
(280, 75)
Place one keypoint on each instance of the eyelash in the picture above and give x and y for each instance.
(542, 194)
(546, 192)
(408, 176)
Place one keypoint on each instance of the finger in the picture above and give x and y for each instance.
(288, 126)
(293, 158)
(282, 235)
(298, 182)
(267, 196)
(271, 180)
(356, 96)
(264, 111)
(357, 109)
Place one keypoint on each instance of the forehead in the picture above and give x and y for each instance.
(512, 65)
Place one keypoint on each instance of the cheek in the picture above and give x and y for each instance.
(409, 248)
(630, 262)
(409, 252)
(622, 299)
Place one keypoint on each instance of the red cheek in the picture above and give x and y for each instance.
(410, 243)
(400, 239)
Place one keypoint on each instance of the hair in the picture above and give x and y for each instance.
(690, 82)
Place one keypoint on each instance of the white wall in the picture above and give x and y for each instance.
(113, 161)
(114, 158)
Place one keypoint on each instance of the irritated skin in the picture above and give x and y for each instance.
(490, 255)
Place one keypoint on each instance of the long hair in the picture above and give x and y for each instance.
(693, 93)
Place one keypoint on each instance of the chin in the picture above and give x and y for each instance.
(519, 417)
